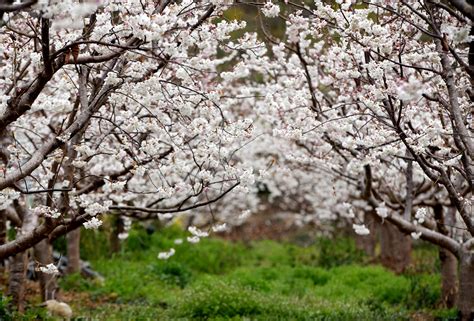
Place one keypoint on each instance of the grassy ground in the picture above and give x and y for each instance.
(265, 280)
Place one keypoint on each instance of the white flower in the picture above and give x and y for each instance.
(114, 186)
(79, 163)
(219, 228)
(247, 178)
(46, 211)
(49, 269)
(7, 196)
(457, 34)
(197, 232)
(350, 214)
(420, 215)
(166, 255)
(382, 210)
(346, 206)
(96, 208)
(178, 241)
(166, 216)
(63, 137)
(245, 214)
(193, 239)
(94, 223)
(122, 236)
(271, 10)
(54, 213)
(410, 90)
(416, 235)
(360, 229)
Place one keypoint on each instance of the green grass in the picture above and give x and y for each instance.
(265, 280)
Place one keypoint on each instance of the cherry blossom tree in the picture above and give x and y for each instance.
(112, 107)
(382, 92)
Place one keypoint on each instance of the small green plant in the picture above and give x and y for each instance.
(5, 313)
(318, 277)
(173, 273)
(424, 292)
(31, 313)
(211, 299)
(76, 282)
(338, 252)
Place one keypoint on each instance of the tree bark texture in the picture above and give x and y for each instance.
(449, 262)
(395, 248)
(367, 243)
(466, 286)
(16, 282)
(74, 251)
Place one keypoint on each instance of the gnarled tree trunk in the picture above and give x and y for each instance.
(395, 248)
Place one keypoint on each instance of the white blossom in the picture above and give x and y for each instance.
(46, 211)
(193, 239)
(197, 232)
(166, 216)
(123, 236)
(410, 90)
(415, 235)
(270, 10)
(420, 215)
(93, 224)
(166, 255)
(382, 210)
(49, 269)
(219, 228)
(7, 196)
(360, 229)
(245, 214)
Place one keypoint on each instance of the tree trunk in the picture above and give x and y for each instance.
(16, 282)
(3, 234)
(3, 227)
(44, 256)
(449, 262)
(449, 275)
(466, 286)
(73, 251)
(367, 243)
(118, 227)
(395, 248)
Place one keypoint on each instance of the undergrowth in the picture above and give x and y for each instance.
(264, 280)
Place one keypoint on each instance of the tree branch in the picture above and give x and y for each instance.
(7, 7)
(175, 209)
(464, 7)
